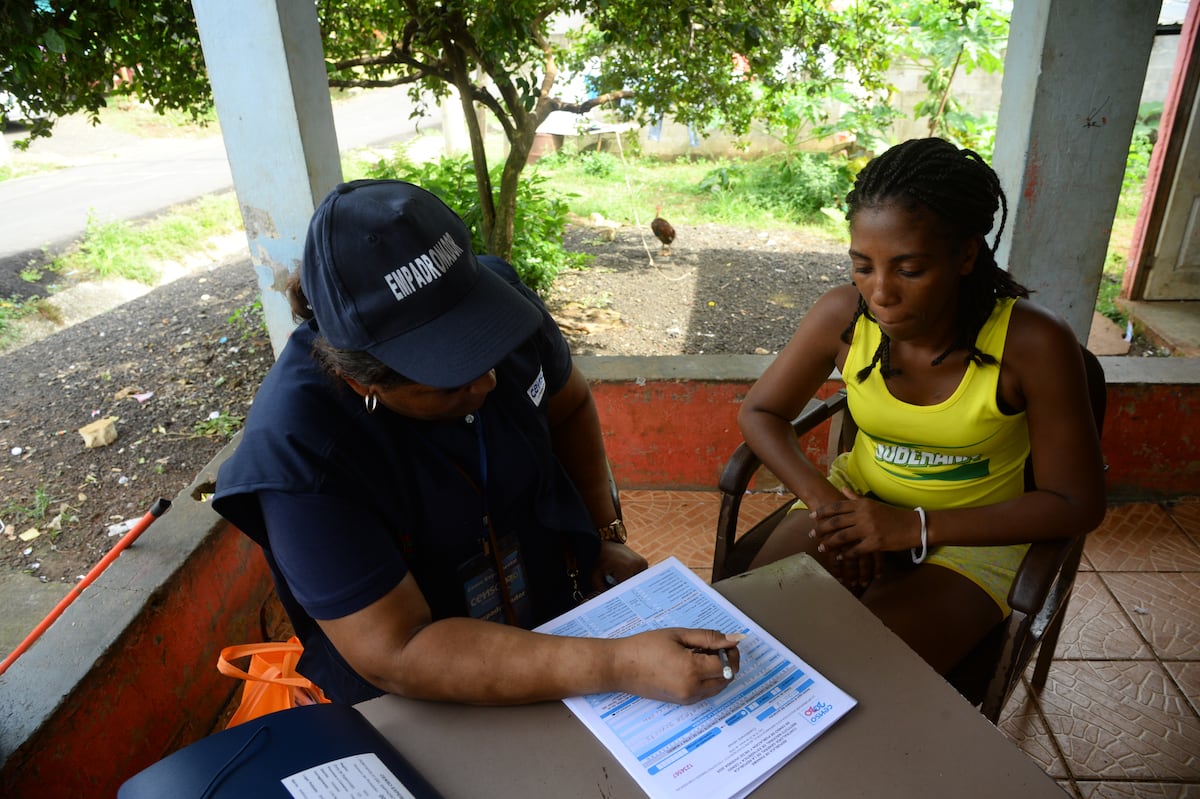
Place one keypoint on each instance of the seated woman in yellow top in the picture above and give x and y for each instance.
(954, 378)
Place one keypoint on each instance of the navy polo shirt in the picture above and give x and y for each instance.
(344, 503)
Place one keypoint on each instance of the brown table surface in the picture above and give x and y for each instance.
(910, 735)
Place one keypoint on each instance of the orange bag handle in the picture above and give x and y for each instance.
(271, 682)
(282, 674)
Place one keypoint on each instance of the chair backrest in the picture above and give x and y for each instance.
(1039, 594)
(1038, 598)
(732, 553)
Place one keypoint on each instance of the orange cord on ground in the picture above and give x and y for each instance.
(158, 509)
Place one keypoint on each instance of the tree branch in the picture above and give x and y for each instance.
(594, 102)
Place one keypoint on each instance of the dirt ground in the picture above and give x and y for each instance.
(177, 368)
(163, 364)
(721, 290)
(160, 366)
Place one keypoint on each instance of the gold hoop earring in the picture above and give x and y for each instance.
(371, 401)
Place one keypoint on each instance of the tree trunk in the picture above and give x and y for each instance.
(483, 181)
(500, 242)
(520, 143)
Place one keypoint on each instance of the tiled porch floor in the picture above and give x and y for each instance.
(1120, 713)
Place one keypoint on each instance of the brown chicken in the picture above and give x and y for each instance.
(662, 230)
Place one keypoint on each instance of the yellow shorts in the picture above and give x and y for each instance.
(991, 568)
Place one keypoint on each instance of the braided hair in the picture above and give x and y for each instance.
(964, 192)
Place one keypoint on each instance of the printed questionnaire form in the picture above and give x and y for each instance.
(724, 746)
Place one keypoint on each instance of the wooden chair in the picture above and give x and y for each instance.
(1038, 597)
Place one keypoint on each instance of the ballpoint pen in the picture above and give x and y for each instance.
(726, 669)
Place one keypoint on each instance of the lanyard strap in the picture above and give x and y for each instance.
(489, 539)
(510, 612)
(483, 466)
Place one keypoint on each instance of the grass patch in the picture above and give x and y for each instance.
(690, 192)
(127, 115)
(772, 193)
(37, 513)
(1119, 243)
(19, 169)
(1114, 271)
(249, 321)
(132, 251)
(1129, 204)
(626, 191)
(219, 425)
(12, 310)
(32, 513)
(47, 310)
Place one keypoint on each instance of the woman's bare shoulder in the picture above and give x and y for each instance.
(829, 317)
(1041, 349)
(840, 302)
(1034, 326)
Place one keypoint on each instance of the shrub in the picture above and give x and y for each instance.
(794, 187)
(538, 254)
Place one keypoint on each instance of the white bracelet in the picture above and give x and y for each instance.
(924, 539)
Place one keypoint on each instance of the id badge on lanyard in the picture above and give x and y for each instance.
(487, 597)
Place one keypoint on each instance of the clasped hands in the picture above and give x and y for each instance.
(854, 533)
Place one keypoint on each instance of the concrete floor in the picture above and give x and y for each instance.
(1175, 324)
(1119, 715)
(1106, 338)
(26, 601)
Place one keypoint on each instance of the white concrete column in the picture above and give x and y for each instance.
(1073, 77)
(266, 64)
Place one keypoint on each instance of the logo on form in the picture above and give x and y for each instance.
(813, 713)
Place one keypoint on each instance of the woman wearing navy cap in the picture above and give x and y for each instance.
(424, 431)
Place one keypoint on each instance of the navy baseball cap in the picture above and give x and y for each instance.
(388, 269)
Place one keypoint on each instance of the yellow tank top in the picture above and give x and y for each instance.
(962, 452)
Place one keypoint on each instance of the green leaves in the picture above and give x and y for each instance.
(947, 38)
(53, 42)
(537, 254)
(62, 57)
(709, 64)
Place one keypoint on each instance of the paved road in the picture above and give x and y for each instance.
(118, 176)
(123, 177)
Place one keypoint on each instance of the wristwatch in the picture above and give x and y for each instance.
(613, 531)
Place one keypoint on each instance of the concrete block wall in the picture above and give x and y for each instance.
(128, 673)
(672, 422)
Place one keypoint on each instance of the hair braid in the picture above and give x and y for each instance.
(882, 352)
(965, 193)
